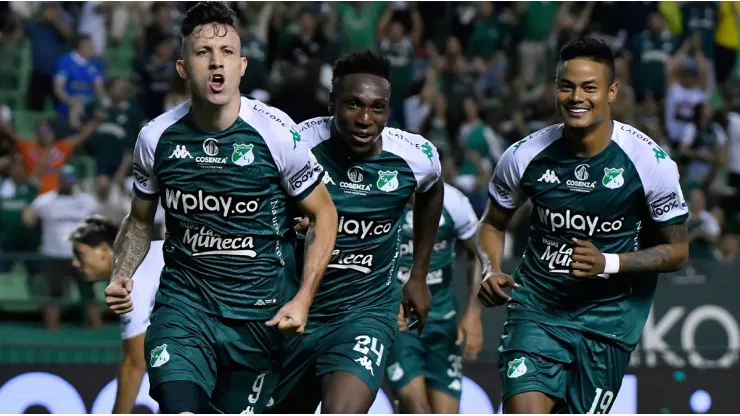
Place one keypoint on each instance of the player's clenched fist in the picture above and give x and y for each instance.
(491, 291)
(291, 318)
(587, 260)
(118, 296)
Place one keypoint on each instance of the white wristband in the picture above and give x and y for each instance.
(611, 263)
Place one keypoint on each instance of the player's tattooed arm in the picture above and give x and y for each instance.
(670, 256)
(133, 240)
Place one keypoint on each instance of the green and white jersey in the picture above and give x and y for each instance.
(615, 199)
(457, 222)
(228, 248)
(370, 195)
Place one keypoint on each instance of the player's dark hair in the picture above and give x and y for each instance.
(589, 48)
(206, 12)
(94, 231)
(365, 62)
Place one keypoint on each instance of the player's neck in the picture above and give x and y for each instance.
(589, 141)
(213, 118)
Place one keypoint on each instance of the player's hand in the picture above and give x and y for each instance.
(470, 331)
(417, 299)
(491, 291)
(302, 225)
(401, 320)
(587, 260)
(291, 318)
(118, 296)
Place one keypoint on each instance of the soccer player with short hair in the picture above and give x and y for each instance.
(608, 217)
(425, 372)
(226, 168)
(371, 171)
(92, 243)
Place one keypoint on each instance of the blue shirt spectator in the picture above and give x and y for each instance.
(48, 37)
(77, 81)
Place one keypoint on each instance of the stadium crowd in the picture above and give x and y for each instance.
(79, 79)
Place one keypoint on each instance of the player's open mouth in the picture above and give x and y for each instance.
(217, 82)
(576, 111)
(363, 137)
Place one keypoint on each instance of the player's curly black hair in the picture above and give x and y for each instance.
(589, 48)
(207, 12)
(365, 62)
(94, 231)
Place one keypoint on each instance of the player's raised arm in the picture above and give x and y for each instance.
(428, 203)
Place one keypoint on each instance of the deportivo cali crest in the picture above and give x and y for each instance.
(242, 155)
(517, 368)
(159, 356)
(613, 178)
(387, 180)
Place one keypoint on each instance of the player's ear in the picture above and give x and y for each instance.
(613, 90)
(182, 69)
(244, 64)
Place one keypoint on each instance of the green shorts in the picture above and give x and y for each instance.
(434, 356)
(230, 359)
(583, 373)
(358, 345)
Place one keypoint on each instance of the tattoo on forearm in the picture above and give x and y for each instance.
(666, 257)
(310, 236)
(130, 249)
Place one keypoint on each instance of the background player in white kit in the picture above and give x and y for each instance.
(93, 257)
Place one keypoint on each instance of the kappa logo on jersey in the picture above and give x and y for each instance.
(205, 242)
(159, 356)
(362, 228)
(180, 152)
(243, 154)
(426, 148)
(328, 180)
(572, 221)
(387, 180)
(613, 178)
(549, 177)
(296, 138)
(203, 203)
(517, 368)
(362, 263)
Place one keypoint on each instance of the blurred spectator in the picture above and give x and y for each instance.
(704, 230)
(571, 20)
(650, 121)
(726, 252)
(702, 147)
(537, 20)
(733, 158)
(457, 82)
(162, 27)
(76, 82)
(17, 192)
(94, 23)
(687, 76)
(178, 94)
(358, 22)
(59, 212)
(700, 19)
(109, 195)
(113, 142)
(623, 106)
(399, 47)
(255, 43)
(727, 40)
(651, 49)
(436, 127)
(48, 37)
(44, 157)
(155, 78)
